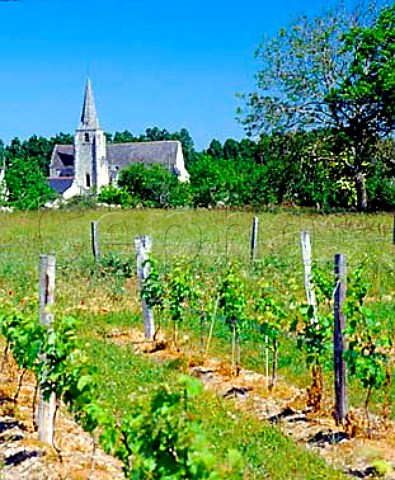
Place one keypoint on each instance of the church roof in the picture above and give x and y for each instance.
(62, 156)
(60, 184)
(124, 154)
(89, 118)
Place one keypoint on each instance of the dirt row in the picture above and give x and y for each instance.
(357, 450)
(23, 456)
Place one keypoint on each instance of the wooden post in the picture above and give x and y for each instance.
(95, 241)
(46, 410)
(339, 343)
(254, 238)
(307, 261)
(143, 248)
(393, 231)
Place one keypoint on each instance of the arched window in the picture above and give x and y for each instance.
(87, 180)
(86, 137)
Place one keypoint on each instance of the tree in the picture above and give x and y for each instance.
(302, 84)
(62, 138)
(27, 186)
(123, 137)
(1, 153)
(39, 148)
(215, 149)
(188, 147)
(153, 186)
(231, 149)
(363, 104)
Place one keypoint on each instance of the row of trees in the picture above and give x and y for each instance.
(294, 168)
(290, 173)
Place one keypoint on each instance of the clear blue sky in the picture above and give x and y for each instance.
(166, 63)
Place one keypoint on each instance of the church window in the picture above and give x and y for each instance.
(88, 180)
(86, 137)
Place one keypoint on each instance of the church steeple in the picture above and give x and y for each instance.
(90, 151)
(89, 118)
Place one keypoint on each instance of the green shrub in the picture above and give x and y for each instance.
(114, 264)
(115, 196)
(27, 186)
(154, 186)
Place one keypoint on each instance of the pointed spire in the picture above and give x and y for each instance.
(89, 117)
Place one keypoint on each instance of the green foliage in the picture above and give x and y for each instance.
(242, 445)
(81, 202)
(270, 314)
(152, 289)
(380, 186)
(314, 328)
(232, 302)
(115, 196)
(112, 264)
(368, 350)
(179, 292)
(24, 336)
(329, 73)
(296, 67)
(231, 149)
(314, 333)
(153, 186)
(37, 148)
(311, 168)
(232, 299)
(270, 317)
(370, 339)
(54, 355)
(28, 188)
(314, 338)
(227, 182)
(215, 149)
(299, 168)
(381, 467)
(158, 439)
(365, 97)
(59, 367)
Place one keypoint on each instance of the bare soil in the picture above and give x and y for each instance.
(23, 456)
(359, 450)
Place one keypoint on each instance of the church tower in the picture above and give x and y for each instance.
(91, 166)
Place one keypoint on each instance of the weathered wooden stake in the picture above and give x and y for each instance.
(307, 261)
(143, 248)
(95, 241)
(254, 239)
(339, 343)
(46, 410)
(393, 231)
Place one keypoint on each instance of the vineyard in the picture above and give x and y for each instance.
(210, 293)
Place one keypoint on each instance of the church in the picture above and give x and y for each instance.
(92, 163)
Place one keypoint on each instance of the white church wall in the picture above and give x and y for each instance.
(179, 167)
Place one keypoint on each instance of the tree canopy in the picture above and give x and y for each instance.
(334, 72)
(27, 186)
(37, 147)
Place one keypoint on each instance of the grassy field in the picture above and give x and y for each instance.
(207, 240)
